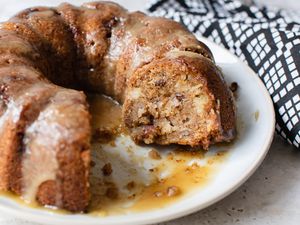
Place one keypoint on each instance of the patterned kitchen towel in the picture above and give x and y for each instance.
(268, 40)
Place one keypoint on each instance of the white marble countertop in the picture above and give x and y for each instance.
(270, 196)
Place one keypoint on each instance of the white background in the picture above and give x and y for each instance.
(270, 196)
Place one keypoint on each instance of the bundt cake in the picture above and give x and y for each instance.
(171, 90)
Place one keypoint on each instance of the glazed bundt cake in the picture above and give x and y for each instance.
(171, 90)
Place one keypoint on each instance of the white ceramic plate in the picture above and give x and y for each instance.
(255, 112)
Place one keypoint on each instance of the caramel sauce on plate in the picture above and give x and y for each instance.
(173, 175)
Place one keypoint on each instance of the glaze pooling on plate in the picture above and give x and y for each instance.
(126, 177)
(140, 178)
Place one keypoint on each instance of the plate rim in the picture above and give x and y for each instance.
(34, 217)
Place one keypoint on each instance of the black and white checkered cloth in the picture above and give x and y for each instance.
(268, 40)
